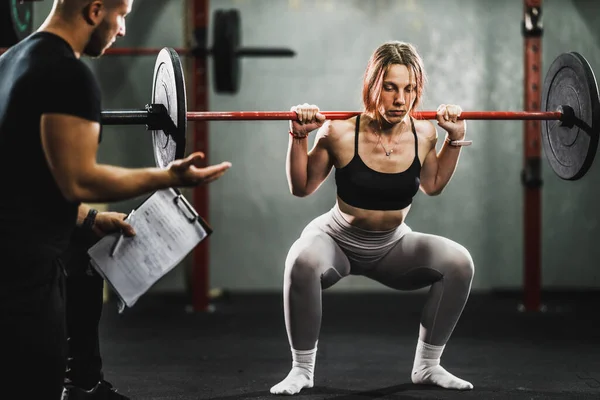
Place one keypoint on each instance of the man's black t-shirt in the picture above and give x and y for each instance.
(38, 75)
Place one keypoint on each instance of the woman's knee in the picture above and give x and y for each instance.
(304, 268)
(313, 260)
(461, 263)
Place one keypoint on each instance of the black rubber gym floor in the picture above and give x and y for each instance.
(157, 350)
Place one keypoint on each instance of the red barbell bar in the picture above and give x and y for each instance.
(291, 115)
(136, 117)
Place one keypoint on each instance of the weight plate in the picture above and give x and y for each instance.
(570, 149)
(226, 41)
(168, 89)
(16, 21)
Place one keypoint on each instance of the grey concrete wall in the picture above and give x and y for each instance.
(473, 53)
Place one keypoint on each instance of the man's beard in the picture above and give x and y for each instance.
(97, 43)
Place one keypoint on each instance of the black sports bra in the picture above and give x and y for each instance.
(361, 187)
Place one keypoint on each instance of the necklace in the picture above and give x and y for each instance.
(389, 152)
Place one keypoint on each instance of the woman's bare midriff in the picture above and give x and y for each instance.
(372, 220)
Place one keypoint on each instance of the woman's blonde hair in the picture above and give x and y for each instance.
(386, 55)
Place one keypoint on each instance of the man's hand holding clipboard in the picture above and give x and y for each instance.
(167, 228)
(126, 231)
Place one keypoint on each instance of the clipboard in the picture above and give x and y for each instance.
(167, 229)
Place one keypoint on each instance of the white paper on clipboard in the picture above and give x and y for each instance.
(167, 229)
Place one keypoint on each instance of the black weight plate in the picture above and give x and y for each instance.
(226, 41)
(570, 81)
(16, 21)
(168, 89)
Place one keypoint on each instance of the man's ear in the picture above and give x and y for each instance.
(93, 12)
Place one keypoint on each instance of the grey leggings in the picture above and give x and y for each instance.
(330, 248)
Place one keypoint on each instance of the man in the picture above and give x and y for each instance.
(50, 109)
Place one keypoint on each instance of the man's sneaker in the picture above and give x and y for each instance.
(102, 391)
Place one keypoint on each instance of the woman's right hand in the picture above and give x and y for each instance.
(309, 119)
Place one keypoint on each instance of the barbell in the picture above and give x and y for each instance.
(16, 24)
(570, 113)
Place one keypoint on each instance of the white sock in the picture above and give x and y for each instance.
(301, 375)
(427, 369)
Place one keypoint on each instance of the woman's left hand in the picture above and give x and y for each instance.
(447, 118)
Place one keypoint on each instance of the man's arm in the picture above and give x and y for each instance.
(82, 213)
(70, 144)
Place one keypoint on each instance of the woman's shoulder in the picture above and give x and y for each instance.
(425, 129)
(337, 129)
